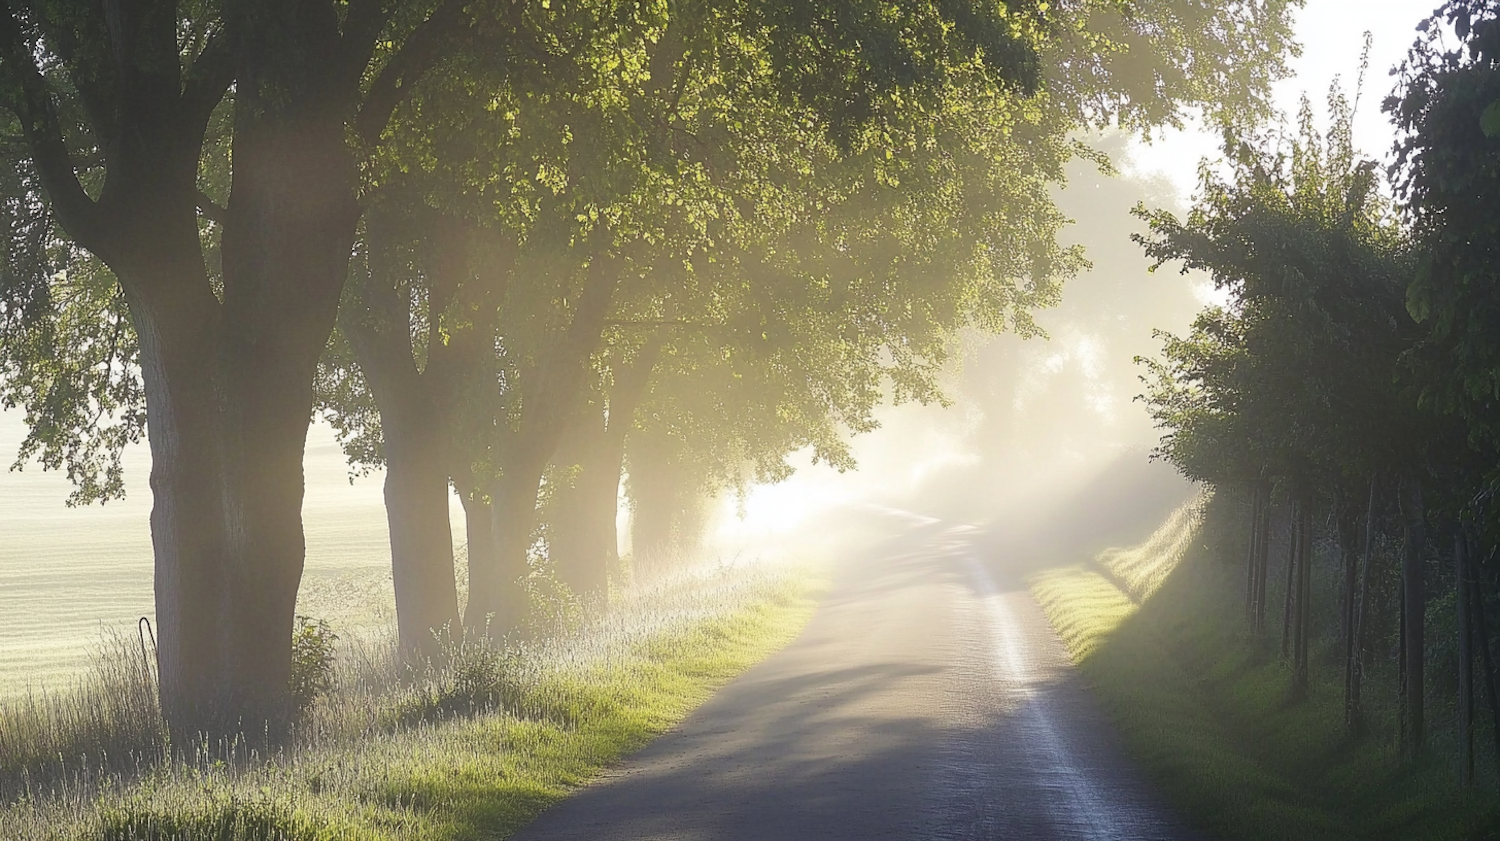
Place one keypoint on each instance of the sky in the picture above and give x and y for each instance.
(1332, 34)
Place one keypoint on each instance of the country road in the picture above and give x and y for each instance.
(928, 698)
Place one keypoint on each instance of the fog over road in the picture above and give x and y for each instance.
(928, 698)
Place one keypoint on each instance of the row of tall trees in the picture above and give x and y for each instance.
(1350, 375)
(506, 244)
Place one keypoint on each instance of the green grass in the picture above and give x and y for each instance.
(569, 708)
(1207, 711)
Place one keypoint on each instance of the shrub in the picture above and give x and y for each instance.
(313, 657)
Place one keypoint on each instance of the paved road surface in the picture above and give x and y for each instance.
(927, 699)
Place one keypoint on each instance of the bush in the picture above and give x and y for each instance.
(313, 657)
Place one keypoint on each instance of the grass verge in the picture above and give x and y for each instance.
(568, 709)
(1207, 711)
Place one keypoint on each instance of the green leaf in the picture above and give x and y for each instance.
(1489, 121)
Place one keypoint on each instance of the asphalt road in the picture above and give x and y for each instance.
(928, 698)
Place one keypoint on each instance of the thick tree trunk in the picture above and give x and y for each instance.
(1413, 616)
(416, 423)
(583, 512)
(479, 533)
(551, 393)
(416, 510)
(655, 500)
(498, 598)
(1462, 603)
(587, 543)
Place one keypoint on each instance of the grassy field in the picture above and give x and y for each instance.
(1157, 630)
(472, 752)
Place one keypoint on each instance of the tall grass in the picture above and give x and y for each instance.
(475, 748)
(1158, 630)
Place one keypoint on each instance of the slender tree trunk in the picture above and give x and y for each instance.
(1304, 599)
(1486, 656)
(1263, 561)
(1348, 534)
(1294, 553)
(1413, 614)
(1462, 603)
(1353, 710)
(1252, 553)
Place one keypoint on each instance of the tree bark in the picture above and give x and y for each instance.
(1263, 560)
(1463, 588)
(228, 379)
(1348, 533)
(1302, 620)
(416, 508)
(1353, 708)
(498, 595)
(551, 394)
(581, 522)
(587, 540)
(479, 534)
(1413, 616)
(1289, 602)
(1486, 657)
(1252, 552)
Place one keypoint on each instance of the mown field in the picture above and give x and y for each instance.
(1207, 710)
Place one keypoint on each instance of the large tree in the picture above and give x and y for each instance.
(114, 102)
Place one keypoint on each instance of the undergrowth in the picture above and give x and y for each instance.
(476, 749)
(1158, 631)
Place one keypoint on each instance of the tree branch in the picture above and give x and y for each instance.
(362, 26)
(208, 79)
(33, 106)
(429, 42)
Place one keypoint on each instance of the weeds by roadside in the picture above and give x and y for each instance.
(477, 747)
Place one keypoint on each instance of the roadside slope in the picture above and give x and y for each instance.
(1156, 631)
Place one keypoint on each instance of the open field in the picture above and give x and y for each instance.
(473, 750)
(1157, 631)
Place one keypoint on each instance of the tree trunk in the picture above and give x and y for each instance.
(1303, 618)
(1462, 603)
(1252, 553)
(1263, 560)
(228, 398)
(499, 603)
(1348, 536)
(1289, 603)
(416, 509)
(582, 518)
(479, 534)
(1413, 616)
(585, 556)
(1353, 709)
(1486, 657)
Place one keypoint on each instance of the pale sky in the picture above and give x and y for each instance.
(1331, 33)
